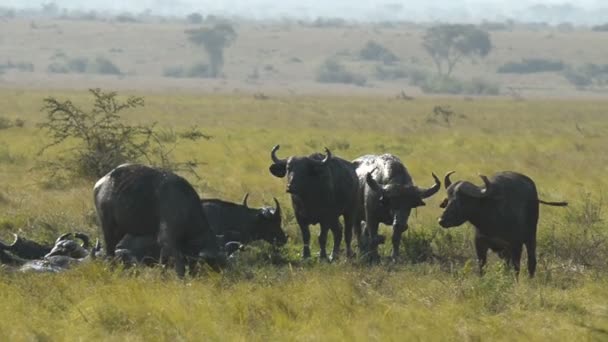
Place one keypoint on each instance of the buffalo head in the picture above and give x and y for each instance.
(67, 247)
(300, 171)
(399, 199)
(462, 201)
(269, 225)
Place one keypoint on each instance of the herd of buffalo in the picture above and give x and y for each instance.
(150, 215)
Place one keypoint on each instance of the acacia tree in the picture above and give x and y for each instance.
(214, 40)
(449, 43)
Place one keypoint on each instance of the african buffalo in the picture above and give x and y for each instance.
(62, 256)
(68, 247)
(145, 201)
(322, 189)
(504, 213)
(387, 195)
(238, 222)
(28, 249)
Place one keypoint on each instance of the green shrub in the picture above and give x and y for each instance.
(105, 66)
(373, 51)
(587, 75)
(194, 18)
(333, 72)
(531, 65)
(383, 72)
(80, 65)
(448, 85)
(198, 70)
(20, 66)
(103, 140)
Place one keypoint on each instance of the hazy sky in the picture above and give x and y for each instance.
(458, 10)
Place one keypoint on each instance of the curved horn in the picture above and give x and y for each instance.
(63, 237)
(17, 238)
(93, 252)
(86, 241)
(245, 199)
(446, 181)
(327, 155)
(273, 155)
(326, 159)
(277, 208)
(371, 182)
(424, 193)
(487, 183)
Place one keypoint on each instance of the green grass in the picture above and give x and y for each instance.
(437, 298)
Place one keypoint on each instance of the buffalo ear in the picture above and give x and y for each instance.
(278, 170)
(419, 203)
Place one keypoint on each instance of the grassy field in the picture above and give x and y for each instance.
(433, 293)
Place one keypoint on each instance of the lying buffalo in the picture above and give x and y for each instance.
(322, 189)
(238, 222)
(65, 253)
(145, 201)
(28, 249)
(388, 195)
(504, 213)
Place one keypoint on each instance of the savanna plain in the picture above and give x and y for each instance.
(432, 293)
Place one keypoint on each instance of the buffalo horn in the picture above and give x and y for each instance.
(371, 182)
(446, 181)
(274, 156)
(245, 199)
(277, 209)
(424, 193)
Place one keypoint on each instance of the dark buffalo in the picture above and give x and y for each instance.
(28, 249)
(322, 189)
(68, 247)
(388, 195)
(504, 213)
(238, 222)
(62, 256)
(144, 201)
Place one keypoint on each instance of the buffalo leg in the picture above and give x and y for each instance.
(305, 239)
(396, 240)
(516, 257)
(531, 251)
(336, 232)
(323, 241)
(348, 235)
(109, 228)
(374, 241)
(481, 249)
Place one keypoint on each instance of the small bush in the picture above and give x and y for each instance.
(373, 51)
(80, 65)
(194, 18)
(104, 66)
(199, 70)
(417, 246)
(77, 65)
(383, 72)
(20, 66)
(448, 85)
(125, 18)
(102, 139)
(495, 26)
(600, 28)
(5, 123)
(328, 22)
(333, 72)
(531, 65)
(587, 75)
